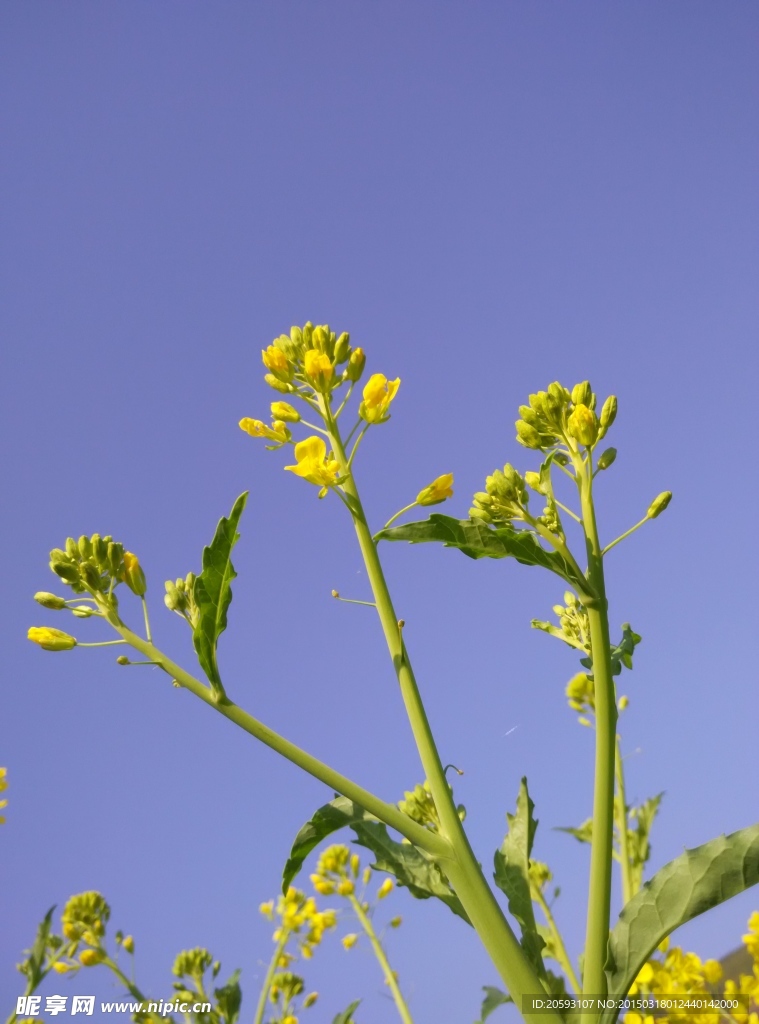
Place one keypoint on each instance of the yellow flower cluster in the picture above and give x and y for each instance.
(313, 464)
(299, 915)
(680, 973)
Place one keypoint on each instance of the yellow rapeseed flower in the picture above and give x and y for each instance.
(378, 394)
(318, 367)
(345, 887)
(256, 428)
(51, 639)
(314, 465)
(349, 941)
(440, 489)
(274, 359)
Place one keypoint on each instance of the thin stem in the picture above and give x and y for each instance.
(435, 845)
(461, 866)
(622, 829)
(101, 643)
(353, 600)
(599, 895)
(312, 426)
(379, 952)
(266, 987)
(359, 439)
(147, 620)
(399, 514)
(569, 511)
(561, 949)
(345, 400)
(128, 985)
(353, 430)
(624, 535)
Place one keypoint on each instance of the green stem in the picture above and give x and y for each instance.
(397, 515)
(622, 829)
(147, 620)
(561, 949)
(101, 643)
(388, 813)
(599, 896)
(622, 536)
(460, 865)
(379, 952)
(126, 982)
(266, 987)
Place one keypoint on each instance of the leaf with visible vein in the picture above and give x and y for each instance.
(346, 1017)
(335, 815)
(689, 885)
(213, 593)
(512, 875)
(494, 998)
(412, 868)
(478, 540)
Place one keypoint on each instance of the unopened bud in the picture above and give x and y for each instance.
(128, 944)
(134, 577)
(90, 575)
(99, 548)
(583, 425)
(385, 889)
(527, 435)
(83, 611)
(90, 957)
(608, 413)
(284, 411)
(623, 702)
(122, 660)
(85, 546)
(278, 385)
(51, 639)
(51, 601)
(342, 347)
(606, 458)
(659, 504)
(67, 572)
(335, 593)
(356, 365)
(115, 556)
(533, 480)
(72, 548)
(396, 922)
(581, 393)
(310, 999)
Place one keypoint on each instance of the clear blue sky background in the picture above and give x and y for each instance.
(489, 196)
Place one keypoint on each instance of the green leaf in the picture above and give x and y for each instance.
(229, 999)
(346, 1017)
(213, 593)
(689, 885)
(35, 963)
(493, 999)
(512, 875)
(411, 868)
(335, 815)
(478, 540)
(583, 833)
(638, 843)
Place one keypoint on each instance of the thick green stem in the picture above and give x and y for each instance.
(599, 896)
(266, 987)
(379, 952)
(462, 868)
(622, 829)
(417, 834)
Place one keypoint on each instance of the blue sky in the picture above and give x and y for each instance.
(488, 196)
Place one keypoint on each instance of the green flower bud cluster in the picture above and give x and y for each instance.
(539, 875)
(581, 694)
(420, 807)
(574, 627)
(505, 497)
(85, 917)
(192, 963)
(311, 355)
(180, 598)
(94, 564)
(557, 416)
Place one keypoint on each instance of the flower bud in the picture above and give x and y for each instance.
(127, 943)
(623, 702)
(385, 889)
(345, 887)
(527, 435)
(342, 347)
(90, 575)
(122, 660)
(396, 922)
(606, 458)
(67, 572)
(173, 599)
(115, 556)
(582, 393)
(51, 639)
(356, 364)
(72, 548)
(51, 601)
(659, 504)
(439, 490)
(310, 999)
(90, 957)
(275, 360)
(608, 413)
(83, 611)
(533, 480)
(99, 548)
(318, 367)
(134, 577)
(278, 385)
(349, 941)
(583, 425)
(284, 411)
